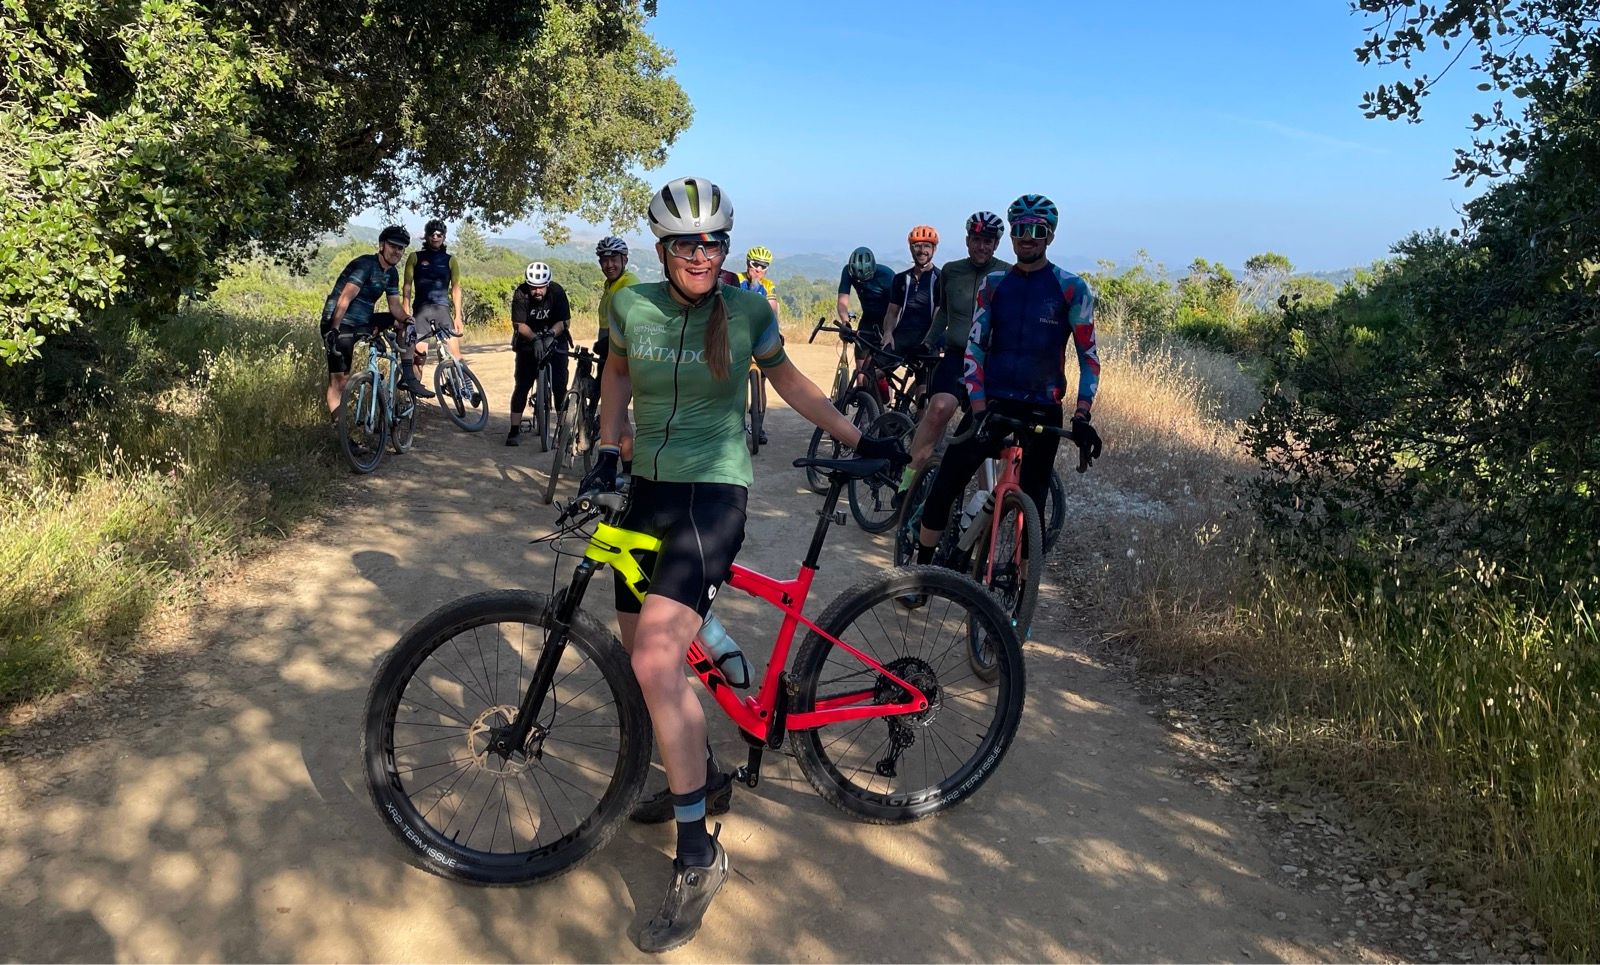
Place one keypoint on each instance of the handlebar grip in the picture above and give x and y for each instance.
(816, 328)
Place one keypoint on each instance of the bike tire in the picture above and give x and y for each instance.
(1054, 511)
(471, 414)
(363, 424)
(862, 409)
(754, 414)
(1015, 584)
(925, 646)
(872, 497)
(908, 524)
(541, 409)
(569, 442)
(593, 681)
(403, 422)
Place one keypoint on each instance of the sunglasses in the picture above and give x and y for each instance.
(760, 264)
(436, 234)
(1031, 229)
(688, 248)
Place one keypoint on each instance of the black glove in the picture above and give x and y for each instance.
(599, 346)
(883, 447)
(602, 478)
(1086, 439)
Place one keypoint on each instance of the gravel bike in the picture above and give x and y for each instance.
(578, 425)
(505, 737)
(376, 411)
(456, 386)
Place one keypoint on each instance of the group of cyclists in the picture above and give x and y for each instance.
(676, 351)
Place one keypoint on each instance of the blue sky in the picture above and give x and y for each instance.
(1216, 129)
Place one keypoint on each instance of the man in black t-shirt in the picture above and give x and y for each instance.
(541, 321)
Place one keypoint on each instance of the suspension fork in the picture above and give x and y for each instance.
(561, 613)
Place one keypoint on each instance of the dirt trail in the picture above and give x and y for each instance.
(215, 809)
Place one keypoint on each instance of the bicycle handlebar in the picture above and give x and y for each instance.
(1021, 427)
(841, 328)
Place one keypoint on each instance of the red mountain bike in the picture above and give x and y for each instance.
(505, 736)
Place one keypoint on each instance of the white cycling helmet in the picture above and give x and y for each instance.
(690, 206)
(538, 274)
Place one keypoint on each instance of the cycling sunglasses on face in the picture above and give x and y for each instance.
(1031, 229)
(687, 248)
(760, 264)
(436, 234)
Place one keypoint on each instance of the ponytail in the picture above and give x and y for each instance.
(718, 357)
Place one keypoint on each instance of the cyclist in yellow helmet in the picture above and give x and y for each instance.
(754, 278)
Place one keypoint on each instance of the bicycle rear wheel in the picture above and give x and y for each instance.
(1018, 560)
(403, 428)
(363, 423)
(862, 409)
(872, 497)
(888, 770)
(569, 443)
(449, 684)
(461, 395)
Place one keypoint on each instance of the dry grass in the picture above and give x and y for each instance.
(1462, 723)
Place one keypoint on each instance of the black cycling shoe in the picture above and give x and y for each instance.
(511, 438)
(417, 388)
(657, 808)
(687, 899)
(763, 439)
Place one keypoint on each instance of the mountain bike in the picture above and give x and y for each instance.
(998, 535)
(376, 411)
(457, 387)
(578, 425)
(505, 737)
(755, 410)
(851, 395)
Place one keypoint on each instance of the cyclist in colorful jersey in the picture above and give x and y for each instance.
(958, 290)
(433, 289)
(754, 279)
(914, 296)
(1023, 322)
(348, 312)
(541, 320)
(871, 282)
(679, 351)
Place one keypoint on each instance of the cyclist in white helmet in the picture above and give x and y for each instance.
(540, 322)
(679, 352)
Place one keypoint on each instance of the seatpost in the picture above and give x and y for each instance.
(829, 504)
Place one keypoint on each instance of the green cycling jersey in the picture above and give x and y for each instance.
(959, 282)
(690, 424)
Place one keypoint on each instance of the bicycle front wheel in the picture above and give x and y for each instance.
(872, 498)
(908, 526)
(450, 685)
(915, 622)
(1009, 559)
(363, 423)
(541, 409)
(569, 442)
(403, 427)
(461, 395)
(754, 415)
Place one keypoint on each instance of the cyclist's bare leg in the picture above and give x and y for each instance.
(336, 381)
(941, 408)
(657, 642)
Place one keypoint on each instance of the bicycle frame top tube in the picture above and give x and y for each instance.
(616, 547)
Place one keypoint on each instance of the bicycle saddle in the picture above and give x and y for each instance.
(848, 468)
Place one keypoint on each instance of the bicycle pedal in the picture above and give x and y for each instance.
(838, 516)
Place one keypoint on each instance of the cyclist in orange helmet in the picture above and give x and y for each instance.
(914, 296)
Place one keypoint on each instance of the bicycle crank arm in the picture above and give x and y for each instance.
(749, 774)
